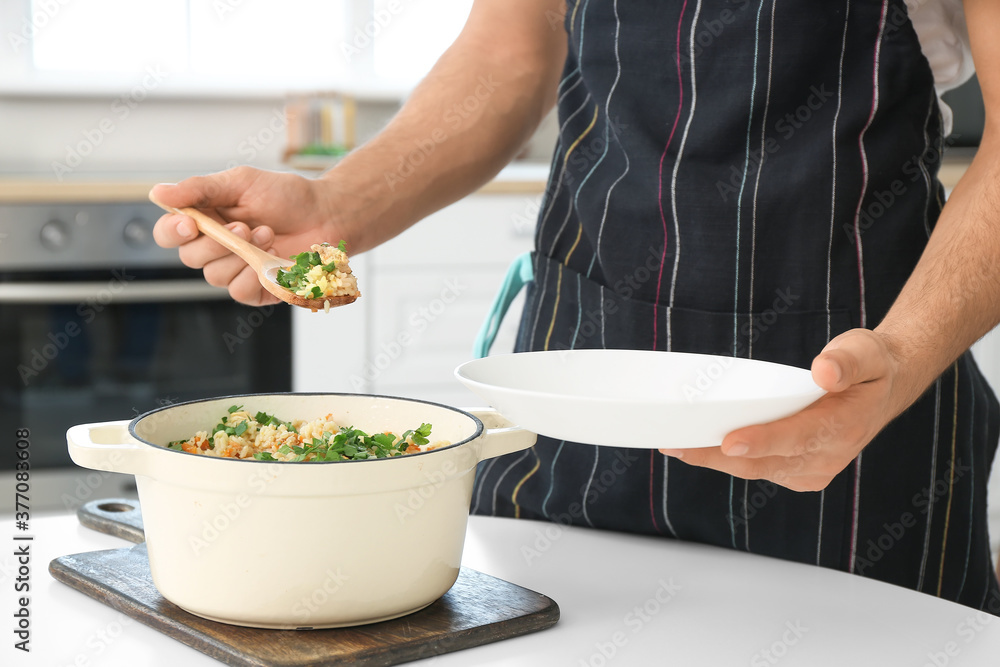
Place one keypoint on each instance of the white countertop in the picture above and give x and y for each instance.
(637, 600)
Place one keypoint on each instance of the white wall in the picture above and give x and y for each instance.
(167, 134)
(153, 135)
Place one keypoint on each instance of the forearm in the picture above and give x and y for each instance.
(953, 296)
(467, 119)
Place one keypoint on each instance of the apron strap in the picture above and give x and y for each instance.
(519, 273)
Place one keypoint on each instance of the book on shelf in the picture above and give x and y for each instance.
(320, 129)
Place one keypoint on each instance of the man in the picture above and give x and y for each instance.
(781, 174)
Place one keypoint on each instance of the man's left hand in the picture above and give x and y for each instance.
(805, 452)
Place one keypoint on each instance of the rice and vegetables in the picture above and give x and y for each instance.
(323, 272)
(240, 434)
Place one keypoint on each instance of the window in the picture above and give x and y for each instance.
(225, 46)
(416, 36)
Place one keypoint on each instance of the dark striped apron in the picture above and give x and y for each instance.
(752, 178)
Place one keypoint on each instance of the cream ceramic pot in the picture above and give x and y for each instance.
(309, 544)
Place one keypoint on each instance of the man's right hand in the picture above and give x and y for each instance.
(282, 213)
(508, 60)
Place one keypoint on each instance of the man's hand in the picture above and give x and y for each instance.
(805, 452)
(281, 213)
(379, 190)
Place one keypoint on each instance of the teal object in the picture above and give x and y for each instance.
(520, 273)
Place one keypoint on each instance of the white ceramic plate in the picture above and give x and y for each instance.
(635, 398)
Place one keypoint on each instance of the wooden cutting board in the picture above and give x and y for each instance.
(478, 609)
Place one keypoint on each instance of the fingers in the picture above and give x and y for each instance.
(745, 468)
(225, 269)
(785, 437)
(214, 191)
(855, 356)
(213, 194)
(245, 288)
(220, 264)
(220, 190)
(795, 473)
(805, 451)
(172, 230)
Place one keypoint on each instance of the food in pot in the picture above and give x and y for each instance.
(322, 272)
(267, 438)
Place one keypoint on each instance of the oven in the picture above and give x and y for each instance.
(98, 323)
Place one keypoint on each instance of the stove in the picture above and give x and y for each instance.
(98, 323)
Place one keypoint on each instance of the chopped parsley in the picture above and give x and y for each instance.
(347, 444)
(264, 419)
(351, 444)
(296, 278)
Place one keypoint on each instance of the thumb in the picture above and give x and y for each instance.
(853, 357)
(219, 190)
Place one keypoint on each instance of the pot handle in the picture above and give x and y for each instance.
(501, 436)
(107, 446)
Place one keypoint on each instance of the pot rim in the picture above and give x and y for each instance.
(480, 429)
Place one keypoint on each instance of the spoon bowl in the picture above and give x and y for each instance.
(264, 264)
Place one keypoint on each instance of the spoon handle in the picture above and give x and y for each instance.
(257, 259)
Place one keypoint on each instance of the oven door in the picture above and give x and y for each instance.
(96, 345)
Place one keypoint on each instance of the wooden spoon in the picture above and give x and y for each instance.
(263, 263)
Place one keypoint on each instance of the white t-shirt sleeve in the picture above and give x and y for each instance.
(944, 39)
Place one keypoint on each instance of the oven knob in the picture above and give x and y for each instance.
(55, 235)
(137, 233)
